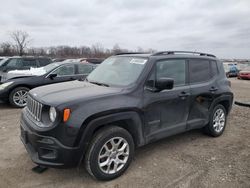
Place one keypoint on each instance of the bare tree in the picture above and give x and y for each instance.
(6, 49)
(21, 39)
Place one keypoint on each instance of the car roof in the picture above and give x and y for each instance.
(28, 57)
(72, 62)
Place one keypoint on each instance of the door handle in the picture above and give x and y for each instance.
(213, 89)
(183, 94)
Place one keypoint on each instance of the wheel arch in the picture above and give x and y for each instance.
(129, 120)
(226, 101)
(19, 85)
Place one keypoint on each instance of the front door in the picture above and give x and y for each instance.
(63, 73)
(166, 111)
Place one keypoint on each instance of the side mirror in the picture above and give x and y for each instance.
(164, 83)
(52, 76)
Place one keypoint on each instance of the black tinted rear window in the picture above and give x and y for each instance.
(199, 70)
(44, 62)
(26, 63)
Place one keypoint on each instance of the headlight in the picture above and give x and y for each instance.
(3, 86)
(52, 114)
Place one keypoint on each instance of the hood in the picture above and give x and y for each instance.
(9, 76)
(73, 91)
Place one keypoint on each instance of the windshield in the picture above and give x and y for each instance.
(120, 71)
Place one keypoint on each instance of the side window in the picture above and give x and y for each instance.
(214, 69)
(199, 70)
(14, 63)
(65, 70)
(175, 69)
(27, 63)
(84, 69)
(44, 62)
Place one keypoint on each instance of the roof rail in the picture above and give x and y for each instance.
(124, 53)
(182, 52)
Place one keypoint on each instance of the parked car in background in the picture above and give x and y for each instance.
(21, 63)
(231, 70)
(128, 101)
(245, 73)
(92, 60)
(58, 59)
(86, 60)
(15, 90)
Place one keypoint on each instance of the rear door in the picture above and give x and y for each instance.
(166, 112)
(203, 85)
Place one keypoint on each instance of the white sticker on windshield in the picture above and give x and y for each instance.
(138, 61)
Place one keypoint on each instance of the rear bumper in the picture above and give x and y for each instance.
(48, 151)
(244, 76)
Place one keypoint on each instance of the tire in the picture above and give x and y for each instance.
(102, 155)
(20, 92)
(217, 121)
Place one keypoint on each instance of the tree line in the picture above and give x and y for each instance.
(21, 40)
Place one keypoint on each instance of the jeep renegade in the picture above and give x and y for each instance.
(128, 101)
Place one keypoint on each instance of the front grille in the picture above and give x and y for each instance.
(34, 108)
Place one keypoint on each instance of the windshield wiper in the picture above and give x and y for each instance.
(98, 83)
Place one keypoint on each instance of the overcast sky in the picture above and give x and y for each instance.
(221, 27)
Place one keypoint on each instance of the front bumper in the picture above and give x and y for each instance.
(4, 94)
(47, 151)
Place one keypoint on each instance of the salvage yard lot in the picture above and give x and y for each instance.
(186, 160)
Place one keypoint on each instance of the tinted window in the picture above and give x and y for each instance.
(214, 69)
(84, 69)
(199, 70)
(14, 63)
(44, 62)
(175, 69)
(29, 63)
(65, 70)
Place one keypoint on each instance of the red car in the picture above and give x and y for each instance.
(244, 74)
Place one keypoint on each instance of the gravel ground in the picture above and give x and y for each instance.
(186, 160)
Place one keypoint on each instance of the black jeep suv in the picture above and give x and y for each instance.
(128, 101)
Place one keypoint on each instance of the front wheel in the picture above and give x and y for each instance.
(109, 153)
(18, 97)
(217, 122)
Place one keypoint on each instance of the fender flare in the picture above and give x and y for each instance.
(228, 98)
(134, 125)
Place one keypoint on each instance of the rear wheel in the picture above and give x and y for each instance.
(110, 153)
(18, 97)
(217, 123)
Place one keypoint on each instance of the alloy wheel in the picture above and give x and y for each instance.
(113, 155)
(219, 120)
(20, 98)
